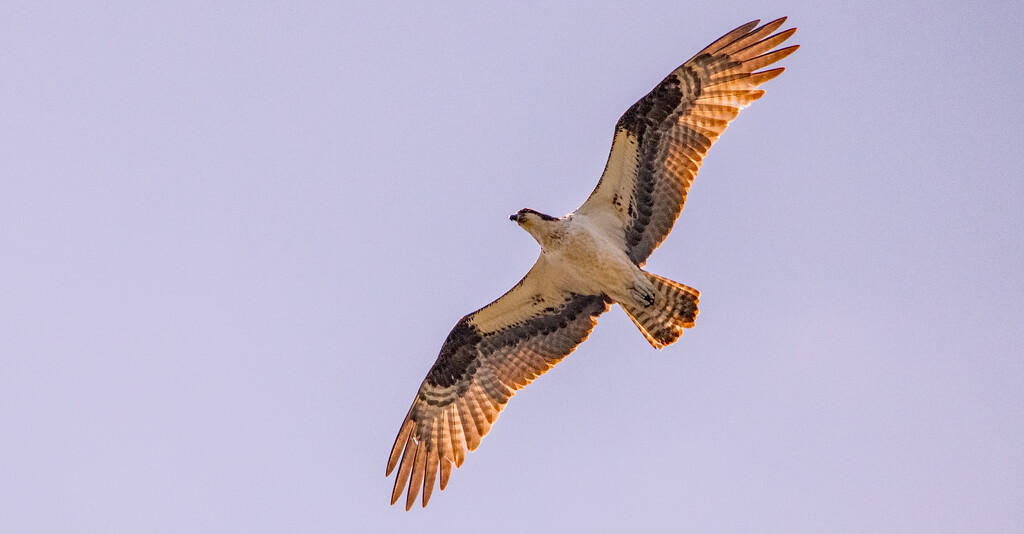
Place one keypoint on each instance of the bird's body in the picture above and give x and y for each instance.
(590, 259)
(580, 257)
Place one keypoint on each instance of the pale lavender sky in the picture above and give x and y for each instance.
(233, 239)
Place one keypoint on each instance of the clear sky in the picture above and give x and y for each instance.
(233, 239)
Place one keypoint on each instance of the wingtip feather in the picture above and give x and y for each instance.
(446, 471)
(769, 27)
(430, 475)
(758, 78)
(399, 446)
(730, 37)
(403, 471)
(416, 480)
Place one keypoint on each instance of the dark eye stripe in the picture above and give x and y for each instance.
(539, 214)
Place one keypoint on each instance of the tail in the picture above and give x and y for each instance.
(674, 308)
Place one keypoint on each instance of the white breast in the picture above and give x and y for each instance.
(591, 262)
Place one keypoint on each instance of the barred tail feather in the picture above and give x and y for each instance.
(674, 308)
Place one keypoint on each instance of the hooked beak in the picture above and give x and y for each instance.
(514, 217)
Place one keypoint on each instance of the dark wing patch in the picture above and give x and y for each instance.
(457, 355)
(474, 376)
(660, 142)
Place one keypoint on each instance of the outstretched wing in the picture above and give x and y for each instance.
(661, 140)
(489, 355)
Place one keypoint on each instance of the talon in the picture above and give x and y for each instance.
(642, 296)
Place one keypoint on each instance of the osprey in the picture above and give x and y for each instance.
(589, 259)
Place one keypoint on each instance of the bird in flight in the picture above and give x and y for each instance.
(589, 259)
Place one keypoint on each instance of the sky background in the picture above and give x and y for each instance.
(233, 239)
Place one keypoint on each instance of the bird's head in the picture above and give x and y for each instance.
(527, 217)
(536, 223)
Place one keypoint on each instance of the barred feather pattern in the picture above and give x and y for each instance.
(476, 373)
(674, 308)
(661, 141)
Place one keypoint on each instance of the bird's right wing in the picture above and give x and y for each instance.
(489, 355)
(662, 139)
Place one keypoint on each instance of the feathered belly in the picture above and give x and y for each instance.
(593, 266)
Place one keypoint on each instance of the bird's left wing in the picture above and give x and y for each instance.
(662, 139)
(489, 355)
